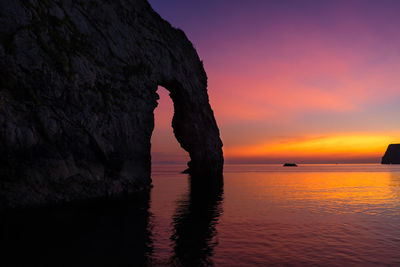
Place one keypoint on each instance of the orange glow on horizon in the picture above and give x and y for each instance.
(330, 147)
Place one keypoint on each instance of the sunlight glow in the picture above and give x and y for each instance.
(348, 145)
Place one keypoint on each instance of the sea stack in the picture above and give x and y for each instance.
(392, 154)
(78, 82)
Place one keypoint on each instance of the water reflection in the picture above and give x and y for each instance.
(114, 232)
(105, 233)
(395, 185)
(318, 215)
(194, 223)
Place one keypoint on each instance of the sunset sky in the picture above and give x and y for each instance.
(305, 81)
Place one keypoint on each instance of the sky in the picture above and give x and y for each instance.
(307, 81)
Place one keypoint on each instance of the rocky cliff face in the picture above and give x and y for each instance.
(78, 81)
(392, 154)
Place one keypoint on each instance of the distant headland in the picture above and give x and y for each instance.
(392, 154)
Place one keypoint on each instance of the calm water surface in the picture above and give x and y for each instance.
(266, 214)
(323, 215)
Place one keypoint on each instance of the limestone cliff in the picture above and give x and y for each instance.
(392, 155)
(78, 81)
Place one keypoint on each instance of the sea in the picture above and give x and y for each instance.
(262, 215)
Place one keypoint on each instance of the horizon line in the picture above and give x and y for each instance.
(271, 163)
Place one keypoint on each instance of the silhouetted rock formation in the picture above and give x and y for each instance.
(78, 83)
(392, 154)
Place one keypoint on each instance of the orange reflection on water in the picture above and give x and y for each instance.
(322, 191)
(323, 215)
(335, 215)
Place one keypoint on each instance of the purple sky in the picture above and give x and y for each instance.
(312, 81)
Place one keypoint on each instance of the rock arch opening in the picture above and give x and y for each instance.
(164, 146)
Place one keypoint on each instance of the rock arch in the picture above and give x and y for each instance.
(195, 129)
(78, 83)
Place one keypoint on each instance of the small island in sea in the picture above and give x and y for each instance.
(290, 165)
